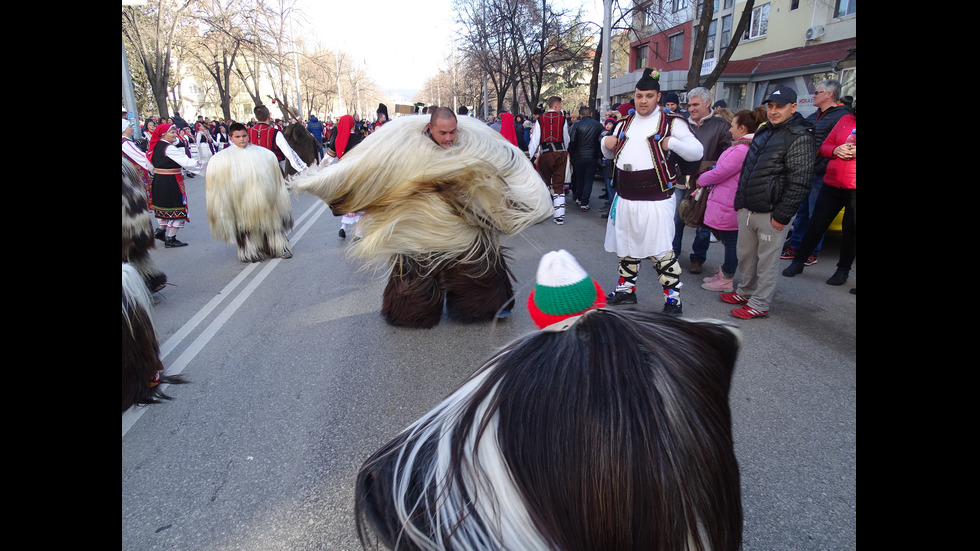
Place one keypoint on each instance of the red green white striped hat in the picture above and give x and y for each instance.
(563, 290)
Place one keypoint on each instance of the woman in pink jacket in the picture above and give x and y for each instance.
(839, 191)
(722, 181)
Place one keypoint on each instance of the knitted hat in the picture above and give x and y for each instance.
(563, 290)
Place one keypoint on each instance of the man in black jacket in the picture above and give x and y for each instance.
(775, 178)
(826, 98)
(584, 146)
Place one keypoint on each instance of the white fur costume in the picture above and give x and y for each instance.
(431, 208)
(248, 203)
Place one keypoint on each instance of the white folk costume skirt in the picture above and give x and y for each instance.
(640, 229)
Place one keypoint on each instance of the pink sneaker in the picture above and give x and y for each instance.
(712, 277)
(721, 284)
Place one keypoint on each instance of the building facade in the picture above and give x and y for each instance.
(795, 43)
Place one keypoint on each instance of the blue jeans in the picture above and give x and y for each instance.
(729, 239)
(607, 176)
(803, 215)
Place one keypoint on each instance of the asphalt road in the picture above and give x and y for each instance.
(295, 379)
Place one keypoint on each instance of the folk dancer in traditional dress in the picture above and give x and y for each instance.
(247, 200)
(167, 189)
(264, 134)
(137, 157)
(343, 138)
(641, 217)
(549, 153)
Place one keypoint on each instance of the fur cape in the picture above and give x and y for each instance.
(437, 205)
(614, 433)
(142, 370)
(137, 230)
(302, 142)
(248, 203)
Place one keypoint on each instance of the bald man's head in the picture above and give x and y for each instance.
(442, 126)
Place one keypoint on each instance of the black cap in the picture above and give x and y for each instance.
(649, 81)
(782, 96)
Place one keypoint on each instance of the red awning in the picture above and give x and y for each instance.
(817, 54)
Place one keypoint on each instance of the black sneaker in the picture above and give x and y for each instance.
(173, 242)
(621, 297)
(672, 309)
(160, 234)
(342, 233)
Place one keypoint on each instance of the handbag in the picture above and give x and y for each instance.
(692, 207)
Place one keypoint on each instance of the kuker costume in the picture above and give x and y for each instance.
(434, 216)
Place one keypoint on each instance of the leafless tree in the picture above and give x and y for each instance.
(149, 31)
(697, 57)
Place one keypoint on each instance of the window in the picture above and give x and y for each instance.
(845, 7)
(726, 31)
(709, 48)
(760, 22)
(648, 16)
(676, 47)
(641, 57)
(678, 5)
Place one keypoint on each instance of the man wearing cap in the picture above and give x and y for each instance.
(641, 217)
(775, 178)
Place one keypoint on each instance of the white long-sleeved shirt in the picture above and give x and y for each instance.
(636, 150)
(136, 155)
(291, 156)
(532, 146)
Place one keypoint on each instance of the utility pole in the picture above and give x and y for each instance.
(606, 53)
(128, 95)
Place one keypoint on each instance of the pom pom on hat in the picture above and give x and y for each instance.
(563, 290)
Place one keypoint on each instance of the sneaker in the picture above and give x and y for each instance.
(712, 277)
(160, 234)
(584, 208)
(621, 297)
(746, 313)
(722, 284)
(788, 252)
(559, 220)
(342, 233)
(672, 309)
(810, 260)
(733, 298)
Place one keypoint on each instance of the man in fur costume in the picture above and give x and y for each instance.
(137, 230)
(436, 193)
(247, 200)
(605, 429)
(142, 370)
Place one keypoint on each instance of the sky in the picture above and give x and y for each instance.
(400, 43)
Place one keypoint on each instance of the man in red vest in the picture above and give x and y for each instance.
(268, 136)
(548, 150)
